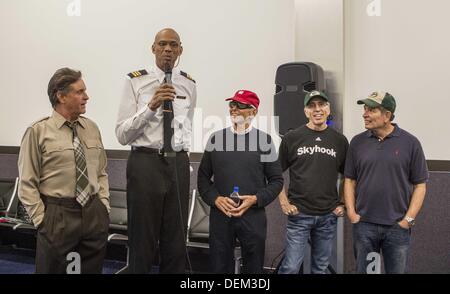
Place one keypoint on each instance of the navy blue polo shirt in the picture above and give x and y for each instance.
(385, 172)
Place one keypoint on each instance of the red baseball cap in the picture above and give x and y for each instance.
(245, 97)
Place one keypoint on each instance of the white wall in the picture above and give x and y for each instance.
(320, 39)
(404, 51)
(228, 45)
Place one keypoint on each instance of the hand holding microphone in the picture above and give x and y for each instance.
(166, 92)
(168, 73)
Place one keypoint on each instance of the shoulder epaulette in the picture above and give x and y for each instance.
(39, 120)
(138, 73)
(186, 75)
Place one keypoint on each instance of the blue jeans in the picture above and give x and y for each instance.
(300, 227)
(392, 241)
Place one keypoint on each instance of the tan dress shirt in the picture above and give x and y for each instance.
(47, 163)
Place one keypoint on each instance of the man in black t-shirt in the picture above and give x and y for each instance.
(315, 155)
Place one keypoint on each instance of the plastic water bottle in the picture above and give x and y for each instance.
(235, 196)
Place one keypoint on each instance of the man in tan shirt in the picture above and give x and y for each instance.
(63, 182)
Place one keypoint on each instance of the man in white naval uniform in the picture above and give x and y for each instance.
(155, 118)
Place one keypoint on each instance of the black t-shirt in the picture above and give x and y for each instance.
(314, 159)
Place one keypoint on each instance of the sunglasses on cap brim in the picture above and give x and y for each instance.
(240, 105)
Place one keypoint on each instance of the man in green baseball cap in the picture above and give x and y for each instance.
(385, 184)
(314, 154)
(380, 99)
(379, 110)
(314, 94)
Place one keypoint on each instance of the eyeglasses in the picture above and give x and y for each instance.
(321, 104)
(239, 105)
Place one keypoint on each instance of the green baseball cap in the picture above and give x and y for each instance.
(313, 94)
(377, 99)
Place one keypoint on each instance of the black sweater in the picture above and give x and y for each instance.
(248, 161)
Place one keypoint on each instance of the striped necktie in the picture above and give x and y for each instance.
(82, 180)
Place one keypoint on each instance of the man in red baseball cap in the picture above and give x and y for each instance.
(243, 108)
(243, 159)
(245, 97)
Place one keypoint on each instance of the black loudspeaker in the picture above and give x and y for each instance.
(293, 80)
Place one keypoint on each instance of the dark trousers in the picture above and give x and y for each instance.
(250, 230)
(157, 213)
(67, 227)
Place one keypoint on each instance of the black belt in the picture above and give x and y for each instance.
(155, 151)
(66, 201)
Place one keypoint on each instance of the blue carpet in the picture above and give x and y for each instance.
(11, 267)
(112, 266)
(16, 262)
(12, 262)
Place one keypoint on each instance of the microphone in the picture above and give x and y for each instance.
(168, 73)
(167, 105)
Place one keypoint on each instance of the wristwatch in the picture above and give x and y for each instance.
(411, 221)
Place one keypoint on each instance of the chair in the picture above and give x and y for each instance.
(198, 228)
(16, 216)
(8, 188)
(118, 221)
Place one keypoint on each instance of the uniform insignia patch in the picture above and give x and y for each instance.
(138, 73)
(186, 75)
